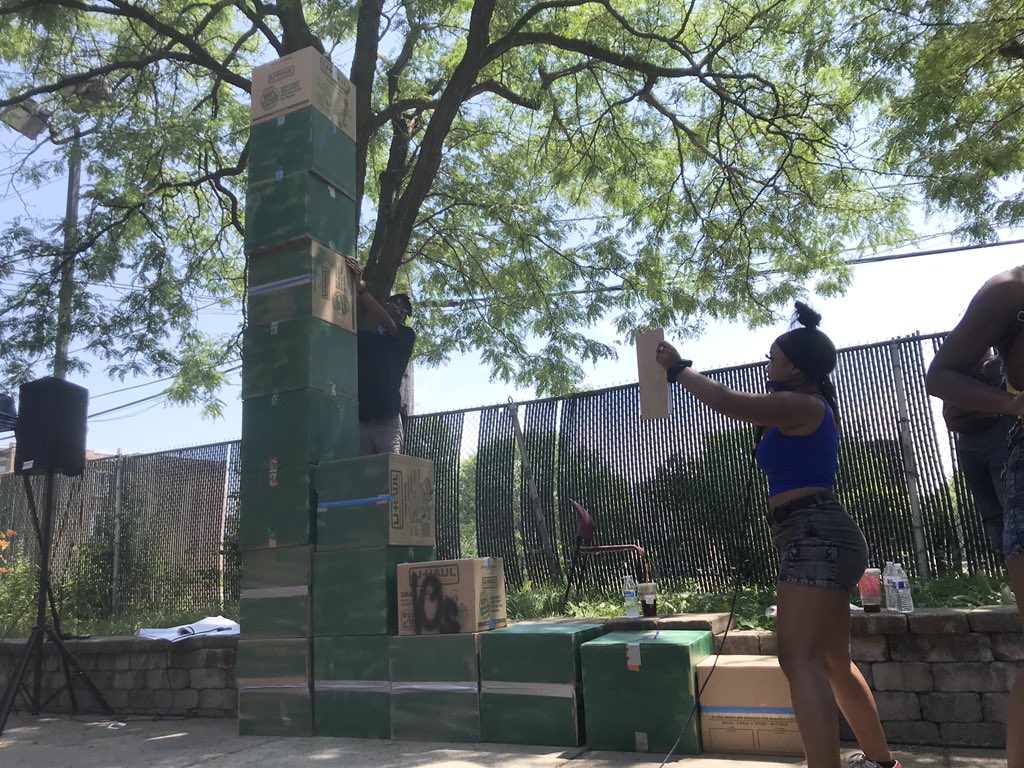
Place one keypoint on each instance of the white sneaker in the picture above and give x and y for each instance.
(859, 760)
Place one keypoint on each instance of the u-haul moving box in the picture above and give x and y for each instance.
(746, 707)
(450, 596)
(299, 80)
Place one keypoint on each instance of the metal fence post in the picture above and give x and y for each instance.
(116, 567)
(223, 521)
(910, 471)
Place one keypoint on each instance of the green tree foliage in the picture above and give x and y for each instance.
(528, 169)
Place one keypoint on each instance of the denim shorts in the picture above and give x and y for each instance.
(1013, 483)
(819, 544)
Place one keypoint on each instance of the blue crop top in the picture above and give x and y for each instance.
(800, 461)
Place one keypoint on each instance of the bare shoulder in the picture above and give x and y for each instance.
(989, 318)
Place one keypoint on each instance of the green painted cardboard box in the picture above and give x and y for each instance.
(352, 688)
(355, 590)
(297, 206)
(302, 141)
(298, 428)
(275, 711)
(275, 592)
(530, 683)
(435, 688)
(639, 690)
(277, 508)
(301, 279)
(376, 500)
(274, 662)
(303, 353)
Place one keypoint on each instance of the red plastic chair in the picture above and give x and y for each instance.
(586, 529)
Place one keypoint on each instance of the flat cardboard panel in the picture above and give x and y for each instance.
(746, 707)
(304, 140)
(375, 500)
(266, 711)
(297, 428)
(451, 596)
(653, 384)
(293, 208)
(639, 690)
(277, 508)
(303, 79)
(352, 714)
(302, 353)
(300, 279)
(355, 590)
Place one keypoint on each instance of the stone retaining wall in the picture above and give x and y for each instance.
(940, 676)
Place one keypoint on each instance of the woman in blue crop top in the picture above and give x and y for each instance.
(822, 552)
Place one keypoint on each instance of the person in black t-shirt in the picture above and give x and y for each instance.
(384, 354)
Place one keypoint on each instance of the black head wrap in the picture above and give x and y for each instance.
(807, 348)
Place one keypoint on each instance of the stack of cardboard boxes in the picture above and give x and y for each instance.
(300, 427)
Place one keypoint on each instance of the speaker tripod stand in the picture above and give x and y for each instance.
(46, 628)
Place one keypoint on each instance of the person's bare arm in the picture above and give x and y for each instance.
(373, 307)
(792, 412)
(990, 315)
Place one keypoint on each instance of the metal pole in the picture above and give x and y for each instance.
(66, 261)
(115, 575)
(538, 512)
(909, 463)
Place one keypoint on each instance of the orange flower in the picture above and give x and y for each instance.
(4, 544)
(2, 569)
(11, 533)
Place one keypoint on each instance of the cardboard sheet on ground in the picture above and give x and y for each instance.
(654, 402)
(211, 625)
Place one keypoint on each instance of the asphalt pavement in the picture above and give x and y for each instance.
(51, 741)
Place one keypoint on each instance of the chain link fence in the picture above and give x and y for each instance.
(155, 534)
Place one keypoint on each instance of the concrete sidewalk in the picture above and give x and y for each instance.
(86, 742)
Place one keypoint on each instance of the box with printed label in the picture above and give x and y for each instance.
(746, 707)
(303, 79)
(275, 592)
(435, 688)
(301, 279)
(297, 207)
(276, 508)
(302, 353)
(530, 683)
(354, 589)
(297, 428)
(303, 141)
(371, 501)
(352, 687)
(639, 690)
(451, 596)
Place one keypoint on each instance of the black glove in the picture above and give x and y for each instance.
(675, 370)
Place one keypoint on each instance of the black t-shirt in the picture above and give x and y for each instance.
(382, 362)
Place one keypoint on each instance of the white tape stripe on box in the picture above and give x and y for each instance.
(553, 690)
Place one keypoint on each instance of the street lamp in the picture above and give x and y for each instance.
(30, 119)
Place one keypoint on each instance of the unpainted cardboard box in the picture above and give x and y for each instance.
(303, 79)
(451, 596)
(746, 707)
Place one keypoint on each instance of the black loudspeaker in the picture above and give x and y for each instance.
(50, 431)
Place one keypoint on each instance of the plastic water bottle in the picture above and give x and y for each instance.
(629, 594)
(904, 600)
(889, 582)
